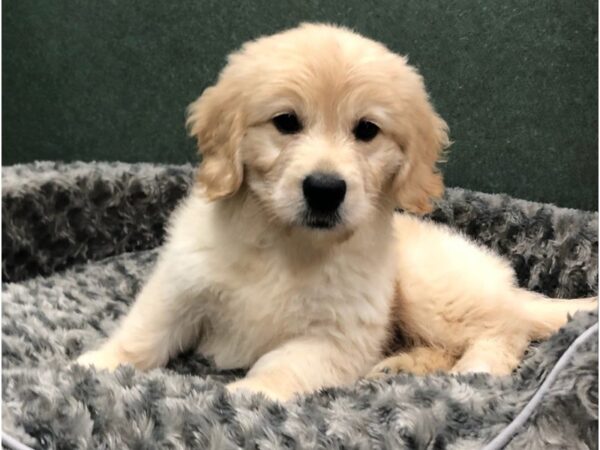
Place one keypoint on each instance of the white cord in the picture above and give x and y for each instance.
(507, 433)
(12, 443)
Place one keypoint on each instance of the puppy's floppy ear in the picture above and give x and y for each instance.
(425, 139)
(216, 121)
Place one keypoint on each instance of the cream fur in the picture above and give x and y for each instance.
(243, 281)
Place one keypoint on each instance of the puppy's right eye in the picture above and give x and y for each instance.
(365, 131)
(287, 123)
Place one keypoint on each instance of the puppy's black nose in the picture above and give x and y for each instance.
(324, 192)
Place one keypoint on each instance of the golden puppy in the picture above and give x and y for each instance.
(287, 256)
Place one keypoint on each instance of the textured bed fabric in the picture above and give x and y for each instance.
(55, 215)
(54, 307)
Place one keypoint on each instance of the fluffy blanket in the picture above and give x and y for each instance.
(79, 239)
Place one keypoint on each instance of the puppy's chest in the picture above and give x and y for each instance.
(268, 286)
(262, 301)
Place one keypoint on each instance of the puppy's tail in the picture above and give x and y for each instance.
(546, 315)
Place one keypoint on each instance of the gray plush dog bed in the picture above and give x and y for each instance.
(79, 239)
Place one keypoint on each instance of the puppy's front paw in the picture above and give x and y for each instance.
(392, 366)
(250, 386)
(474, 367)
(100, 359)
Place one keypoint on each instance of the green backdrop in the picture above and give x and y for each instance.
(109, 80)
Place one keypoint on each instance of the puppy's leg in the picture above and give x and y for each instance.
(418, 360)
(497, 355)
(161, 323)
(300, 366)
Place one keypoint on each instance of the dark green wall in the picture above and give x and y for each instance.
(110, 80)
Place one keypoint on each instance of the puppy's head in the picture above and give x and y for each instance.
(323, 126)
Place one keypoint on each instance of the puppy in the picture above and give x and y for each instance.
(287, 256)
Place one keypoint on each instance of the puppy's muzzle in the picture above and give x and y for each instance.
(323, 193)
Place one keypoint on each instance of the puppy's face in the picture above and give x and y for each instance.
(323, 126)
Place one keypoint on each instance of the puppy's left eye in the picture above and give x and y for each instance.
(365, 131)
(287, 123)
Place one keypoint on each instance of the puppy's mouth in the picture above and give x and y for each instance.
(321, 221)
